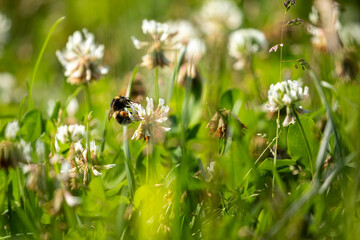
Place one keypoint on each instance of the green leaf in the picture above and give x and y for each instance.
(282, 165)
(229, 98)
(55, 112)
(191, 133)
(297, 147)
(31, 127)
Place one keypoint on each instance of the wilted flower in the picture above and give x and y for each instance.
(218, 15)
(61, 195)
(35, 179)
(81, 58)
(287, 94)
(151, 119)
(10, 155)
(5, 25)
(245, 42)
(160, 35)
(68, 134)
(218, 125)
(7, 84)
(11, 130)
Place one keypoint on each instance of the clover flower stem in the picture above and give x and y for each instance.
(147, 164)
(88, 155)
(275, 151)
(281, 44)
(87, 98)
(156, 84)
(305, 140)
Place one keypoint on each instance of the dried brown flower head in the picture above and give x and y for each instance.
(218, 125)
(10, 155)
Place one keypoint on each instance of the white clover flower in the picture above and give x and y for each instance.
(78, 147)
(161, 36)
(195, 50)
(81, 58)
(184, 30)
(69, 134)
(5, 25)
(218, 15)
(7, 85)
(245, 42)
(11, 130)
(286, 94)
(151, 120)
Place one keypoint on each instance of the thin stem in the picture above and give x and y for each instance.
(87, 98)
(281, 45)
(268, 146)
(156, 85)
(276, 146)
(147, 163)
(305, 140)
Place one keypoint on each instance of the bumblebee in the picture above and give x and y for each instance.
(118, 110)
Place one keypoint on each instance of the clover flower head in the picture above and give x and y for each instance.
(287, 94)
(161, 36)
(195, 49)
(217, 15)
(185, 31)
(69, 134)
(81, 58)
(244, 42)
(151, 120)
(11, 130)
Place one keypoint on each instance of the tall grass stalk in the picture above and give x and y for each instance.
(308, 151)
(37, 64)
